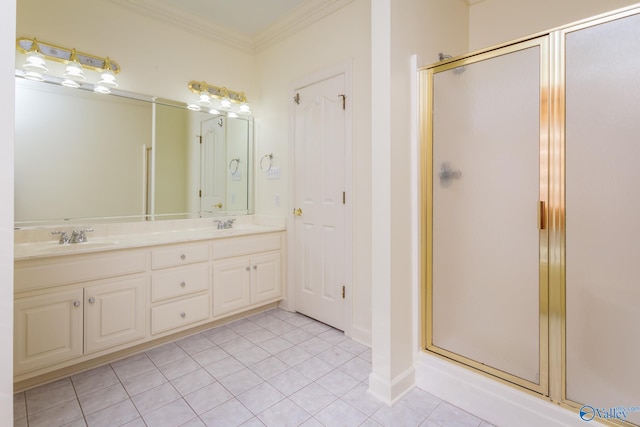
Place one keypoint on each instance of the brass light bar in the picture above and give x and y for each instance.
(216, 91)
(63, 55)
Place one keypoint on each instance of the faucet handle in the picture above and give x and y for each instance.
(64, 237)
(82, 236)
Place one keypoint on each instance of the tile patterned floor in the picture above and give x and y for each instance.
(272, 369)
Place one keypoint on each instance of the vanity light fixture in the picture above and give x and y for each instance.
(35, 65)
(229, 101)
(76, 63)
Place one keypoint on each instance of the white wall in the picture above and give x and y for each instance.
(156, 58)
(342, 37)
(493, 22)
(7, 49)
(422, 28)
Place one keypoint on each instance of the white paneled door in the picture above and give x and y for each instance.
(319, 206)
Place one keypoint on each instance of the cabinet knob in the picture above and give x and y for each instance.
(183, 314)
(183, 284)
(183, 257)
(255, 267)
(76, 303)
(248, 268)
(92, 300)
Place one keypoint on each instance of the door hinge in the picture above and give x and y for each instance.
(200, 193)
(199, 138)
(344, 197)
(344, 101)
(343, 292)
(296, 99)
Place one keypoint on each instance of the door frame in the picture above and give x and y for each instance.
(332, 71)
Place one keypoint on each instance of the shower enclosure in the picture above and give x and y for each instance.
(531, 214)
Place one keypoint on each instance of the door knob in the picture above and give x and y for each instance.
(218, 205)
(297, 212)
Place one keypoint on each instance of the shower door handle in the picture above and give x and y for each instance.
(542, 215)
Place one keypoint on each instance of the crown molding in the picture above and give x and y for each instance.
(301, 17)
(190, 22)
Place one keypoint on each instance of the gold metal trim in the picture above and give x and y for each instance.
(62, 54)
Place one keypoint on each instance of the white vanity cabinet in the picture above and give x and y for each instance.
(70, 306)
(246, 271)
(180, 294)
(47, 329)
(78, 304)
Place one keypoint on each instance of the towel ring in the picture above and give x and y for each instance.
(233, 165)
(266, 157)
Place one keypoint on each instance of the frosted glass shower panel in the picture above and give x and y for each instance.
(603, 215)
(486, 190)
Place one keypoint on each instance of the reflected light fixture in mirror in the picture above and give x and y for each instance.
(229, 101)
(74, 76)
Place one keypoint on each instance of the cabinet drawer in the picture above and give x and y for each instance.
(34, 274)
(179, 281)
(245, 245)
(179, 313)
(179, 255)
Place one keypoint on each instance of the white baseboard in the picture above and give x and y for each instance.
(390, 391)
(489, 399)
(361, 335)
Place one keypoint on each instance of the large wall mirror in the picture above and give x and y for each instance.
(86, 156)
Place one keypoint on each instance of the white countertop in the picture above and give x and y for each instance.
(107, 239)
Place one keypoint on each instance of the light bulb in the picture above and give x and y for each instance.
(193, 107)
(35, 62)
(108, 79)
(205, 100)
(101, 89)
(74, 71)
(244, 109)
(34, 75)
(214, 111)
(225, 104)
(70, 83)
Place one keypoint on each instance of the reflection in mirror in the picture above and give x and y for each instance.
(81, 155)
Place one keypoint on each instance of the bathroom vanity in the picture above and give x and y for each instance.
(78, 302)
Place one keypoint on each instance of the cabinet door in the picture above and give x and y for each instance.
(265, 277)
(231, 285)
(114, 313)
(48, 329)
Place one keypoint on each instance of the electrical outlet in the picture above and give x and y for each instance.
(273, 173)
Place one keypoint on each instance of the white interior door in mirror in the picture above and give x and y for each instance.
(212, 164)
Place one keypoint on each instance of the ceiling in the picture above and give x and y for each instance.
(249, 25)
(249, 17)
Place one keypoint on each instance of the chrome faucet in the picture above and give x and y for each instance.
(77, 236)
(223, 225)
